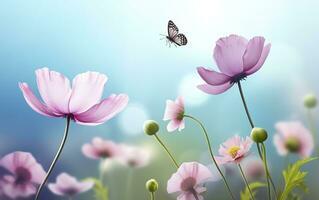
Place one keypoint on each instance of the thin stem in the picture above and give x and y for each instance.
(66, 131)
(152, 195)
(211, 153)
(266, 167)
(167, 151)
(313, 129)
(252, 126)
(246, 182)
(195, 194)
(245, 105)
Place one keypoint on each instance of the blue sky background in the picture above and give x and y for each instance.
(122, 39)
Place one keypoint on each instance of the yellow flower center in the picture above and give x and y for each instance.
(233, 151)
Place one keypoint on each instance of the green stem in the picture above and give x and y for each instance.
(263, 149)
(152, 196)
(268, 177)
(65, 136)
(211, 153)
(195, 194)
(167, 151)
(313, 129)
(246, 182)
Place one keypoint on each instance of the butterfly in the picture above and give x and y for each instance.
(173, 36)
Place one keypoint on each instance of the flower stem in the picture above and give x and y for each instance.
(152, 196)
(195, 194)
(245, 105)
(66, 131)
(263, 149)
(211, 152)
(167, 151)
(268, 177)
(246, 182)
(313, 129)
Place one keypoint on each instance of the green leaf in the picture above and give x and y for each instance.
(101, 192)
(245, 195)
(294, 178)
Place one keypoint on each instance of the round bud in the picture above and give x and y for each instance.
(151, 127)
(310, 101)
(258, 135)
(293, 145)
(151, 185)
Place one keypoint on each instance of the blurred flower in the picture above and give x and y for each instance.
(26, 173)
(188, 181)
(236, 58)
(67, 185)
(174, 111)
(82, 103)
(101, 149)
(253, 168)
(234, 150)
(135, 157)
(293, 137)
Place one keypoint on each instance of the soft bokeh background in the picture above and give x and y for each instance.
(122, 39)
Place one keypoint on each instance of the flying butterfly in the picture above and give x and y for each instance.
(173, 36)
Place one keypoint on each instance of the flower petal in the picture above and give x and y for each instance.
(103, 111)
(211, 77)
(173, 125)
(280, 146)
(228, 54)
(253, 52)
(87, 89)
(34, 103)
(212, 89)
(54, 89)
(261, 61)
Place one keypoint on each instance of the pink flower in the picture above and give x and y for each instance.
(135, 157)
(253, 168)
(101, 149)
(175, 112)
(236, 58)
(82, 103)
(67, 185)
(293, 137)
(189, 180)
(25, 174)
(234, 150)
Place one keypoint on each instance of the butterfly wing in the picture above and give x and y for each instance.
(172, 29)
(180, 39)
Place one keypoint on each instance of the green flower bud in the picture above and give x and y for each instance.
(310, 101)
(258, 135)
(151, 127)
(292, 144)
(151, 185)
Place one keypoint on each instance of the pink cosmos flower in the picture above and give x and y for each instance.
(236, 58)
(253, 168)
(101, 149)
(82, 102)
(234, 150)
(135, 157)
(293, 137)
(174, 111)
(189, 180)
(67, 185)
(25, 174)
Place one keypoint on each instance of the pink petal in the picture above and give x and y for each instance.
(261, 61)
(174, 183)
(253, 52)
(87, 89)
(280, 145)
(203, 173)
(172, 110)
(212, 89)
(173, 125)
(54, 89)
(14, 191)
(34, 103)
(103, 111)
(228, 54)
(89, 151)
(211, 77)
(85, 186)
(187, 196)
(55, 189)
